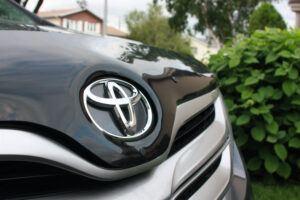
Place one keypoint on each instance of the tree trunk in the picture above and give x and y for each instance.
(38, 5)
(233, 31)
(215, 38)
(210, 30)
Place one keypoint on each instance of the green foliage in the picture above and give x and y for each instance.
(221, 19)
(152, 28)
(260, 82)
(262, 190)
(271, 163)
(265, 16)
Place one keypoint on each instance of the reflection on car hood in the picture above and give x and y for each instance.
(18, 26)
(43, 71)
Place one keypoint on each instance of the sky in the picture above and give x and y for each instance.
(117, 9)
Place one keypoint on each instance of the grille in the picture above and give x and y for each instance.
(25, 179)
(193, 128)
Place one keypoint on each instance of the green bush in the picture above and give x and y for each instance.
(152, 27)
(259, 78)
(265, 16)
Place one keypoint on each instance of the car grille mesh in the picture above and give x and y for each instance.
(193, 128)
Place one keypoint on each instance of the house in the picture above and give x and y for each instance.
(202, 50)
(82, 20)
(295, 6)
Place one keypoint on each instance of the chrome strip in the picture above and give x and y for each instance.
(22, 145)
(211, 140)
(225, 162)
(216, 184)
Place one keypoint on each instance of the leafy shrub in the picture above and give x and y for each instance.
(259, 78)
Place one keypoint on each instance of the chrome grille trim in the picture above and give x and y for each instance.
(224, 153)
(193, 128)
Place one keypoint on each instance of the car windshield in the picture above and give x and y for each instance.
(10, 12)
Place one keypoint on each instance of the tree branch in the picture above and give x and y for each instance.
(37, 7)
(25, 3)
(233, 31)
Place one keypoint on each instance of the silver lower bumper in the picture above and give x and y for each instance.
(150, 186)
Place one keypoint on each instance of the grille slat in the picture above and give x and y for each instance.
(194, 127)
(199, 181)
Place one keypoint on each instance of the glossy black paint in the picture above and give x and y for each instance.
(43, 74)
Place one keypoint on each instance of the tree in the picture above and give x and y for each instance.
(24, 3)
(152, 28)
(82, 4)
(220, 19)
(265, 16)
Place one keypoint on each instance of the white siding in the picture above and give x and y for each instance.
(79, 26)
(64, 23)
(85, 27)
(98, 28)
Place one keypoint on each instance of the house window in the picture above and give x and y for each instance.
(72, 24)
(194, 50)
(92, 28)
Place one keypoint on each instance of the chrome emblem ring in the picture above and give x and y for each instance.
(120, 97)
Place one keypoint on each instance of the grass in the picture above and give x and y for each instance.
(282, 191)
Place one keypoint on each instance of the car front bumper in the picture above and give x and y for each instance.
(239, 186)
(228, 181)
(209, 167)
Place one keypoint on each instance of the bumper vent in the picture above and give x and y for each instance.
(194, 127)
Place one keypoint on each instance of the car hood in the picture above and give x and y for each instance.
(43, 71)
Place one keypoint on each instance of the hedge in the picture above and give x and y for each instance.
(259, 78)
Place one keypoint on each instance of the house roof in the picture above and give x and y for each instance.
(58, 13)
(294, 2)
(116, 32)
(64, 13)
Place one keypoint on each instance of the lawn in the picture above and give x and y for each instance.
(280, 191)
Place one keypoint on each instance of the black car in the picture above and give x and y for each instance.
(86, 117)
